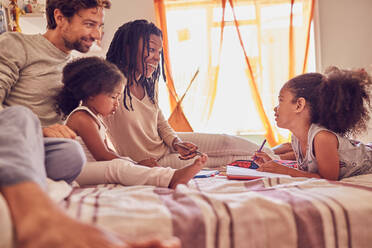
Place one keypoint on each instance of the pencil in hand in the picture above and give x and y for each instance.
(260, 149)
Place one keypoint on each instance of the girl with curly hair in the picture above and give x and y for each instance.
(322, 111)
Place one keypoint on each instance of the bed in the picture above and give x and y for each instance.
(217, 212)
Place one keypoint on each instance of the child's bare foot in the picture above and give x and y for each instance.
(183, 176)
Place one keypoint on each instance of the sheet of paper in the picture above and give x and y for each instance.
(234, 172)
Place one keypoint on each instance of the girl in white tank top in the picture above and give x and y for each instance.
(92, 89)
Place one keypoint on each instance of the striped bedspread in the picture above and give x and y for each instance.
(216, 212)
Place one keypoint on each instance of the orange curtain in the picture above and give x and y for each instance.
(214, 73)
(291, 66)
(264, 72)
(270, 135)
(177, 120)
(308, 36)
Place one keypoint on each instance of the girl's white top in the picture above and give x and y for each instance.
(101, 126)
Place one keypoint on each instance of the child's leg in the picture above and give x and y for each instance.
(124, 172)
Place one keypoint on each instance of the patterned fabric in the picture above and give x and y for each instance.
(245, 164)
(252, 165)
(215, 212)
(289, 163)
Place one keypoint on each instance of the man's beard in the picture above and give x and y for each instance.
(77, 45)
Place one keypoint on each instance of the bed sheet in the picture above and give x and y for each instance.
(216, 212)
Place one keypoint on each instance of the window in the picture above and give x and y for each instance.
(194, 40)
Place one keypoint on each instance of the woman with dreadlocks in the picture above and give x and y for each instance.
(138, 129)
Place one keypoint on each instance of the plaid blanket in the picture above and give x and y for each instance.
(216, 212)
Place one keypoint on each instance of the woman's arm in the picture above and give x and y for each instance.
(166, 132)
(85, 126)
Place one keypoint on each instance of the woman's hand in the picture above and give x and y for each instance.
(150, 162)
(186, 150)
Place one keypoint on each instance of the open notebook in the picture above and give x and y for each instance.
(234, 172)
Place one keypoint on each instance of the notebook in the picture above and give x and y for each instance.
(234, 172)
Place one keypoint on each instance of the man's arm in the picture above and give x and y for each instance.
(12, 58)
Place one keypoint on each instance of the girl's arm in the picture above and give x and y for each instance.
(268, 165)
(274, 167)
(87, 128)
(326, 154)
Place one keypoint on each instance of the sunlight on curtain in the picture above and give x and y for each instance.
(194, 41)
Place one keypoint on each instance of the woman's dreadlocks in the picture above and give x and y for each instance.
(123, 53)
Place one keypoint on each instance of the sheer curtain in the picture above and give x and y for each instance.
(244, 50)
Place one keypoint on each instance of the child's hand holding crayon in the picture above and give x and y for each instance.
(261, 157)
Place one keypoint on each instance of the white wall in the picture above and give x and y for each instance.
(345, 38)
(345, 33)
(33, 24)
(123, 11)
